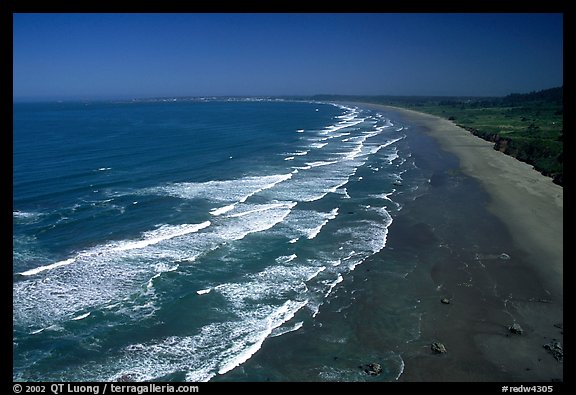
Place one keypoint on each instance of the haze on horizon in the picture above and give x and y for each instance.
(91, 56)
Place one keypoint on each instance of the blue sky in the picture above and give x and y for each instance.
(145, 55)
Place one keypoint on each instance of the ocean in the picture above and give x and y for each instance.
(181, 240)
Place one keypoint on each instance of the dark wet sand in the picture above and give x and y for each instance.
(489, 292)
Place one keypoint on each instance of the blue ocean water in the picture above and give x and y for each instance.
(169, 240)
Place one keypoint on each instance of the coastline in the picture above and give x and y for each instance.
(527, 290)
(452, 239)
(530, 204)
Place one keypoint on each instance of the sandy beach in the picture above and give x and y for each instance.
(475, 251)
(527, 289)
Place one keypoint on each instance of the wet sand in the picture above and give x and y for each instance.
(490, 291)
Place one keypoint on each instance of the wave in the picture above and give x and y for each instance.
(279, 331)
(338, 280)
(126, 277)
(237, 190)
(165, 232)
(222, 210)
(216, 349)
(25, 214)
(315, 231)
(26, 217)
(81, 317)
(55, 265)
(99, 277)
(273, 321)
(320, 163)
(286, 258)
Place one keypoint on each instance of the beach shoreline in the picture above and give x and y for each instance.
(527, 290)
(530, 204)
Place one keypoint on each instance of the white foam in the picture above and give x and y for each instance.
(107, 273)
(255, 218)
(385, 196)
(345, 123)
(402, 365)
(151, 281)
(300, 131)
(286, 258)
(392, 157)
(238, 190)
(263, 207)
(283, 330)
(316, 273)
(165, 232)
(80, 317)
(55, 265)
(221, 210)
(274, 320)
(354, 153)
(275, 282)
(315, 231)
(261, 303)
(316, 183)
(161, 268)
(320, 163)
(289, 158)
(55, 328)
(25, 215)
(318, 145)
(338, 280)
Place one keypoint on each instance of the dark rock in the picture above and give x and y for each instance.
(516, 329)
(445, 301)
(438, 348)
(126, 378)
(555, 348)
(373, 369)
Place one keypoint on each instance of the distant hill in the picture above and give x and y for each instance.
(552, 95)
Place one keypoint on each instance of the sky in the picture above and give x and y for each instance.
(96, 56)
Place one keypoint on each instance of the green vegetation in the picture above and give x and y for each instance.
(528, 127)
